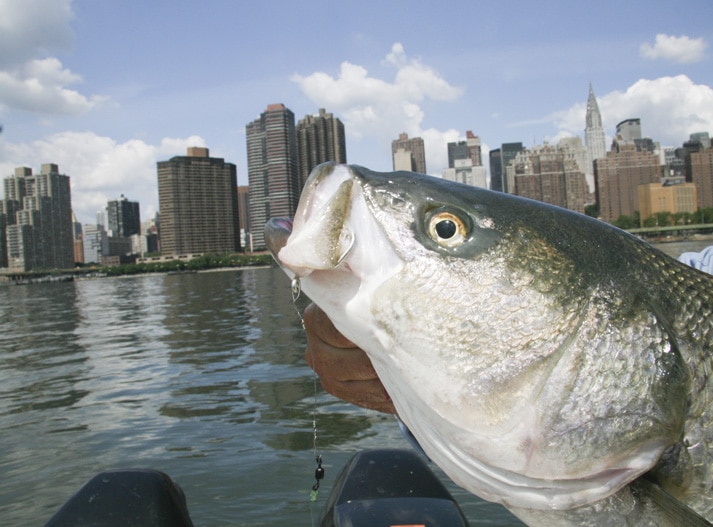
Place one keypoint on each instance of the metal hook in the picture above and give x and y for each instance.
(296, 288)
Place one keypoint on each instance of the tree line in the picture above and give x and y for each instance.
(206, 261)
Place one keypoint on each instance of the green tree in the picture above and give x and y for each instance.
(627, 222)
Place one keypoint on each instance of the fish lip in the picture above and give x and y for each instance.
(277, 231)
(321, 237)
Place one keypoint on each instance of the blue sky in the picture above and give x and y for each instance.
(105, 88)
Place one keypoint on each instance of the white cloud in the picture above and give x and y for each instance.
(100, 168)
(31, 80)
(32, 28)
(670, 109)
(677, 49)
(381, 109)
(436, 144)
(40, 86)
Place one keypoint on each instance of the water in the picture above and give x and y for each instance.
(675, 249)
(199, 375)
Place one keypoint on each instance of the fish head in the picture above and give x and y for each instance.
(487, 332)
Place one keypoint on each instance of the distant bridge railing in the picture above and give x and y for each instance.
(673, 229)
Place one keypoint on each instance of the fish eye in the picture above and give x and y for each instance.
(447, 229)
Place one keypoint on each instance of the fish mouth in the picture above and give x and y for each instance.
(321, 235)
(277, 231)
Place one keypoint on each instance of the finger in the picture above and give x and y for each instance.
(340, 364)
(367, 394)
(318, 323)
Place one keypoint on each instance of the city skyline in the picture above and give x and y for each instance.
(75, 91)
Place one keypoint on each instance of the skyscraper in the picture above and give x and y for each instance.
(320, 138)
(198, 200)
(468, 149)
(550, 174)
(594, 136)
(37, 212)
(500, 158)
(272, 169)
(701, 137)
(701, 169)
(628, 131)
(495, 159)
(408, 154)
(123, 219)
(618, 176)
(465, 162)
(244, 215)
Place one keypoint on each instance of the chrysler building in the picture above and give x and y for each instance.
(594, 131)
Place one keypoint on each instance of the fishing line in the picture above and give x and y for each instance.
(319, 471)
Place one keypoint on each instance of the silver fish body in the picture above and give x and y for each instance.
(543, 359)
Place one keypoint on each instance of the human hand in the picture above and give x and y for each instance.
(344, 370)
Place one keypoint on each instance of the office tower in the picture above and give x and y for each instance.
(244, 215)
(96, 243)
(675, 166)
(496, 169)
(37, 212)
(550, 174)
(147, 242)
(457, 150)
(465, 172)
(272, 169)
(465, 162)
(123, 218)
(594, 136)
(198, 200)
(701, 137)
(3, 235)
(618, 176)
(468, 149)
(320, 138)
(683, 155)
(628, 131)
(408, 154)
(500, 158)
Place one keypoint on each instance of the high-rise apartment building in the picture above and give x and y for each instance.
(320, 138)
(198, 200)
(594, 136)
(408, 154)
(123, 217)
(272, 169)
(37, 212)
(550, 174)
(618, 176)
(701, 169)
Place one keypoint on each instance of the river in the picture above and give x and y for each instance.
(200, 375)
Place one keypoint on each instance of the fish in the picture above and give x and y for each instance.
(543, 359)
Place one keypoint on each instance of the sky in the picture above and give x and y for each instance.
(106, 88)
